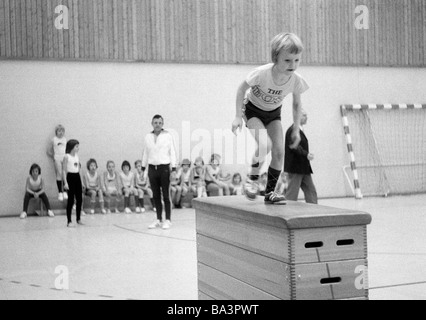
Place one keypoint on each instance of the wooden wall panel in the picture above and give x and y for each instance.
(214, 31)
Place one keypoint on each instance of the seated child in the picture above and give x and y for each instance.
(111, 186)
(34, 188)
(142, 187)
(213, 181)
(222, 176)
(93, 186)
(128, 185)
(197, 179)
(175, 191)
(184, 175)
(236, 186)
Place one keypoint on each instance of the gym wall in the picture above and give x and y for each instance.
(91, 77)
(356, 33)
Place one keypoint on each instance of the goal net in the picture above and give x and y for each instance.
(387, 147)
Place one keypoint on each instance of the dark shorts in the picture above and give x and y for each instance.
(88, 192)
(251, 111)
(208, 183)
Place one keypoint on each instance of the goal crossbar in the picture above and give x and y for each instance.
(387, 148)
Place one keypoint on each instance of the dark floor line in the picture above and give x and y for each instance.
(399, 285)
(60, 290)
(154, 235)
(400, 253)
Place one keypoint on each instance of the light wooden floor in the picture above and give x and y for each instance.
(396, 245)
(117, 257)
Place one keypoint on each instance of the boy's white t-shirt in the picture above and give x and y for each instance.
(268, 96)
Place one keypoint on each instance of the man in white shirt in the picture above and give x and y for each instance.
(159, 156)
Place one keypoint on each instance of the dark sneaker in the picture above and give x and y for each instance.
(275, 198)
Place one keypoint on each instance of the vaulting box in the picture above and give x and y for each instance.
(249, 250)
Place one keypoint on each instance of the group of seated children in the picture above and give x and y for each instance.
(114, 185)
(209, 180)
(106, 187)
(199, 179)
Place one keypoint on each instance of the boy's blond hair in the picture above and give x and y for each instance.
(289, 42)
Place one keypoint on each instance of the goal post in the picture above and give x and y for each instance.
(387, 148)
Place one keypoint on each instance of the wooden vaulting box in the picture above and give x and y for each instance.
(249, 250)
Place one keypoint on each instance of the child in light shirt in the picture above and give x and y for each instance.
(236, 186)
(111, 186)
(142, 187)
(197, 180)
(93, 186)
(128, 185)
(34, 188)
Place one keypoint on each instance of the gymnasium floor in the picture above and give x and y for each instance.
(116, 257)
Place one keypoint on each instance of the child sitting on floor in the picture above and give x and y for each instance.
(111, 186)
(142, 187)
(198, 183)
(93, 186)
(128, 184)
(184, 175)
(34, 188)
(236, 186)
(175, 191)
